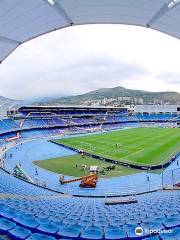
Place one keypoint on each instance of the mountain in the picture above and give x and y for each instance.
(44, 100)
(8, 103)
(117, 95)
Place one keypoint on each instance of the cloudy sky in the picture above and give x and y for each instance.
(83, 58)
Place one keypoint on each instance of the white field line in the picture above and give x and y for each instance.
(106, 152)
(131, 154)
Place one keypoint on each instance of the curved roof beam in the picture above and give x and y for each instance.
(9, 40)
(21, 21)
(173, 3)
(54, 4)
(163, 10)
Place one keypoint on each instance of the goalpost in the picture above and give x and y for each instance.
(86, 146)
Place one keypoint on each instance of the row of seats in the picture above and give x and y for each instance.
(42, 121)
(12, 185)
(94, 120)
(16, 231)
(90, 218)
(7, 124)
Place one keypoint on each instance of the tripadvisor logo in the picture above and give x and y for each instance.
(139, 231)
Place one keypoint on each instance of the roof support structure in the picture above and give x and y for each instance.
(22, 21)
(163, 10)
(173, 3)
(9, 40)
(56, 6)
(158, 15)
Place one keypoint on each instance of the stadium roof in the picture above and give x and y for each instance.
(23, 20)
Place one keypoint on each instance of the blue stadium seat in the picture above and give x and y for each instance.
(174, 234)
(6, 225)
(49, 229)
(39, 236)
(29, 222)
(71, 232)
(152, 238)
(8, 214)
(115, 233)
(92, 233)
(130, 230)
(19, 233)
(172, 222)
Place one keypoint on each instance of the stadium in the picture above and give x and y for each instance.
(83, 172)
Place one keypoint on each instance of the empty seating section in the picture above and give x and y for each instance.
(34, 123)
(89, 218)
(12, 185)
(42, 120)
(31, 212)
(60, 121)
(7, 124)
(94, 120)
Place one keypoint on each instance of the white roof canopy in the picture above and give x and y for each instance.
(22, 20)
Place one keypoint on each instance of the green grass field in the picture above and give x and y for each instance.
(143, 146)
(71, 165)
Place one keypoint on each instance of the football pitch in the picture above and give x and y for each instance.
(143, 146)
(73, 166)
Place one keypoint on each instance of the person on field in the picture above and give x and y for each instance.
(118, 145)
(147, 177)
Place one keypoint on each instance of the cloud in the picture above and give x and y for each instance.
(84, 58)
(170, 78)
(91, 73)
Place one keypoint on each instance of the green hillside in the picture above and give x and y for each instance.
(99, 94)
